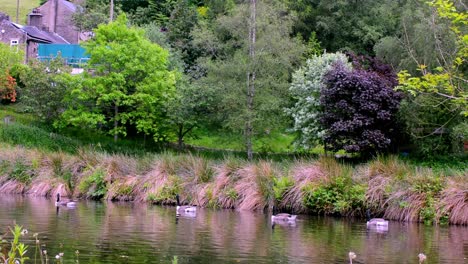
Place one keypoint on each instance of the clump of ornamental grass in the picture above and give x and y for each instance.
(453, 206)
(167, 163)
(48, 187)
(117, 166)
(377, 193)
(88, 157)
(303, 174)
(415, 198)
(122, 189)
(195, 169)
(157, 186)
(255, 187)
(387, 166)
(332, 168)
(221, 192)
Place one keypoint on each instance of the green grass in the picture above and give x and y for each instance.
(25, 7)
(25, 130)
(276, 142)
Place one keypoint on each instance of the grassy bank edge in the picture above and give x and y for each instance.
(388, 186)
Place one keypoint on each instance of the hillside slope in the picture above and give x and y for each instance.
(25, 6)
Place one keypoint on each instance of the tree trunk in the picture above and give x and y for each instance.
(180, 136)
(116, 123)
(251, 79)
(111, 11)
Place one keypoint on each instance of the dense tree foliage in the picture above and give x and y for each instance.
(226, 65)
(44, 88)
(346, 25)
(360, 106)
(128, 85)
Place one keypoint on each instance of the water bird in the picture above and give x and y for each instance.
(377, 223)
(185, 209)
(67, 203)
(421, 257)
(351, 256)
(282, 217)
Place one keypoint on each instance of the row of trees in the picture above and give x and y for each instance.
(228, 65)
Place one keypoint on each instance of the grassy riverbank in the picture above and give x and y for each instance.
(388, 186)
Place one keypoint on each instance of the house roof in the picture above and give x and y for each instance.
(69, 5)
(40, 35)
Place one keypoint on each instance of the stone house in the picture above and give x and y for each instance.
(27, 37)
(57, 17)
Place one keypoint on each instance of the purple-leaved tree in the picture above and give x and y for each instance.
(360, 106)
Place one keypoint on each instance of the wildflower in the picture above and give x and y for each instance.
(24, 232)
(57, 257)
(61, 254)
(45, 252)
(77, 252)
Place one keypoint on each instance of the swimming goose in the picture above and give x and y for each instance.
(378, 223)
(283, 217)
(185, 208)
(67, 203)
(352, 256)
(421, 257)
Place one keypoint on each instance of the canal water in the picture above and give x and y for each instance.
(106, 232)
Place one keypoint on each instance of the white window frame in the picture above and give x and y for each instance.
(14, 42)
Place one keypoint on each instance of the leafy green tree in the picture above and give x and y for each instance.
(128, 83)
(192, 107)
(436, 105)
(447, 80)
(226, 46)
(44, 87)
(306, 87)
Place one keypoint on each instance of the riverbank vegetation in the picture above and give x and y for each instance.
(267, 92)
(388, 186)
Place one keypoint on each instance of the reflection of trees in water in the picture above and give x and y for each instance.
(142, 233)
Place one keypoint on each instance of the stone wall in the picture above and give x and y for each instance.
(57, 18)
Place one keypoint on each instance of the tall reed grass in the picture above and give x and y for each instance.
(387, 186)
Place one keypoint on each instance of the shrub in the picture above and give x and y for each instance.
(21, 172)
(280, 186)
(306, 88)
(94, 186)
(359, 107)
(338, 196)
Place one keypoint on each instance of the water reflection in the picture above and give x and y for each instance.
(138, 233)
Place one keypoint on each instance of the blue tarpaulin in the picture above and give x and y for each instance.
(73, 54)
